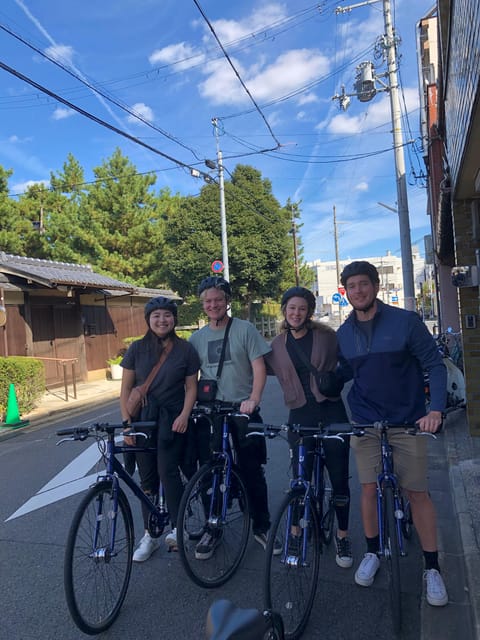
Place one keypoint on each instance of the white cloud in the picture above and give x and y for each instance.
(143, 111)
(61, 53)
(230, 30)
(181, 54)
(289, 71)
(22, 187)
(61, 113)
(361, 186)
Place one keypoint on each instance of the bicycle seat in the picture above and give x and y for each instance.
(225, 621)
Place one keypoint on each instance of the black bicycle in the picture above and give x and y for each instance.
(99, 550)
(214, 516)
(302, 524)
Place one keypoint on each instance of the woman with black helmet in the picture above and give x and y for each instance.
(170, 399)
(303, 347)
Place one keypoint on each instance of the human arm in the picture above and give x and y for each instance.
(259, 380)
(180, 423)
(128, 381)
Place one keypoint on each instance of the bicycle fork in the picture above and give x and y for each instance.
(384, 480)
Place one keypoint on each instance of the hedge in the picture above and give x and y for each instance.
(28, 376)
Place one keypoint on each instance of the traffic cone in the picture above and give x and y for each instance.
(12, 418)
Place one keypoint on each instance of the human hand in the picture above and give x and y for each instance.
(180, 424)
(431, 423)
(248, 406)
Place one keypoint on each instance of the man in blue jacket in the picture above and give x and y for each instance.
(385, 350)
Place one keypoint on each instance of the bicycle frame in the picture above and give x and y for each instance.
(387, 476)
(226, 454)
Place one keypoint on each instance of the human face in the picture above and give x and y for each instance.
(296, 312)
(214, 304)
(361, 292)
(161, 322)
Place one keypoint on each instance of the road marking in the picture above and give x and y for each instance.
(71, 480)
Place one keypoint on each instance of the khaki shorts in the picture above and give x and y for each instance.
(409, 459)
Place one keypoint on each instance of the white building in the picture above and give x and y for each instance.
(327, 288)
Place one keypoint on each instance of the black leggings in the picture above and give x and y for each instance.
(165, 467)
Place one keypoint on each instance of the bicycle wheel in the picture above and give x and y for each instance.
(206, 497)
(97, 565)
(327, 512)
(392, 554)
(407, 521)
(290, 580)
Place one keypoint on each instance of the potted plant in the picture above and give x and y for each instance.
(115, 368)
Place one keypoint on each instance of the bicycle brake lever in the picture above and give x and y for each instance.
(70, 438)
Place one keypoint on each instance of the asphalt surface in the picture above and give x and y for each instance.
(455, 488)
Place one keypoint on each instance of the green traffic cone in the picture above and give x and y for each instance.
(12, 418)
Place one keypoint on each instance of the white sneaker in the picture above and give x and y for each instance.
(436, 593)
(365, 574)
(171, 539)
(145, 549)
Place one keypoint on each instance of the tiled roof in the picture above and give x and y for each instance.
(51, 274)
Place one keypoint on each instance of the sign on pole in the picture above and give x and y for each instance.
(217, 266)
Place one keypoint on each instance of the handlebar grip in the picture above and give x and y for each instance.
(72, 431)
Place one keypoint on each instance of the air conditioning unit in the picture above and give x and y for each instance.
(465, 276)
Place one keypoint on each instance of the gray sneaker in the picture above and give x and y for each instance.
(344, 556)
(207, 545)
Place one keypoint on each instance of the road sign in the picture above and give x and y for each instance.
(217, 266)
(337, 298)
(341, 290)
(343, 302)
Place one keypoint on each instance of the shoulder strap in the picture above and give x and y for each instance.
(300, 353)
(156, 368)
(224, 346)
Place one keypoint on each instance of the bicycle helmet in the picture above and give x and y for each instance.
(300, 292)
(360, 268)
(161, 303)
(215, 282)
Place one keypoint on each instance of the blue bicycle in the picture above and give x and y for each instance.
(99, 550)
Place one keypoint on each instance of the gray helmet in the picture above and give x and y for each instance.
(215, 282)
(360, 268)
(300, 292)
(161, 303)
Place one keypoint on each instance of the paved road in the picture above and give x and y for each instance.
(162, 602)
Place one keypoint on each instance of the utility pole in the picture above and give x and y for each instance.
(366, 90)
(223, 217)
(337, 260)
(295, 248)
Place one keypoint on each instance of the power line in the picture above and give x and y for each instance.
(227, 57)
(99, 121)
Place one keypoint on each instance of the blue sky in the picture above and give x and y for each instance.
(161, 77)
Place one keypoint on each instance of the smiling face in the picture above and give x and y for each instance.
(161, 322)
(214, 304)
(296, 312)
(361, 293)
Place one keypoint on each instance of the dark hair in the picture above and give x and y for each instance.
(360, 268)
(215, 282)
(161, 303)
(300, 292)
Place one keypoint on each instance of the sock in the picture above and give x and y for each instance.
(373, 544)
(431, 560)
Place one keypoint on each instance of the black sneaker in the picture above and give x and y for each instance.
(344, 556)
(262, 538)
(207, 545)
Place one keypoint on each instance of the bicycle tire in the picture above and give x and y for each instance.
(407, 521)
(327, 510)
(206, 493)
(95, 579)
(392, 553)
(290, 585)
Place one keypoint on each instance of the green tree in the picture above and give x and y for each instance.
(13, 229)
(257, 231)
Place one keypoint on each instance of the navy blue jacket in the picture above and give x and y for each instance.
(388, 373)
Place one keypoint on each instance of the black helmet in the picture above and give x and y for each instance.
(360, 268)
(215, 282)
(300, 292)
(160, 303)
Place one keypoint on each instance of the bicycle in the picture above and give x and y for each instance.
(394, 512)
(225, 621)
(215, 503)
(302, 524)
(99, 549)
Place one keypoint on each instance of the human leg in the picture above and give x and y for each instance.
(169, 457)
(149, 482)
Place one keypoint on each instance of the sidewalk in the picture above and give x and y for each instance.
(53, 403)
(454, 461)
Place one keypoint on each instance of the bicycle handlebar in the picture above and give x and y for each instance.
(81, 433)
